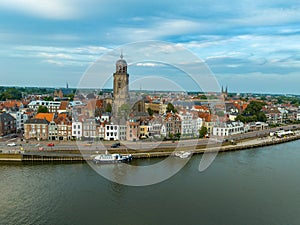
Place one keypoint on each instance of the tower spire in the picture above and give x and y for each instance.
(121, 56)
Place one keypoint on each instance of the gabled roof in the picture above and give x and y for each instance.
(63, 105)
(4, 117)
(36, 121)
(47, 116)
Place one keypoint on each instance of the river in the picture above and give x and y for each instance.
(257, 186)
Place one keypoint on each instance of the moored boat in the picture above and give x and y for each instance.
(182, 154)
(112, 158)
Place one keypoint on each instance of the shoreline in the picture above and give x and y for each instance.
(55, 156)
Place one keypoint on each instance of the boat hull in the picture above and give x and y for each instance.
(104, 160)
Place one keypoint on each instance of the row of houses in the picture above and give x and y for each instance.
(51, 126)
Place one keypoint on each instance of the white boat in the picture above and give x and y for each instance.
(112, 158)
(182, 154)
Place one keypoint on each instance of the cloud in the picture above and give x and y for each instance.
(78, 56)
(49, 9)
(148, 64)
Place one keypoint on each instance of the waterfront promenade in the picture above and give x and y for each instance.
(86, 152)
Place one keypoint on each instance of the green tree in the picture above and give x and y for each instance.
(48, 98)
(150, 111)
(108, 108)
(42, 109)
(71, 97)
(171, 108)
(253, 113)
(178, 135)
(202, 132)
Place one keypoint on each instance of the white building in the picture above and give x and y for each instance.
(77, 130)
(163, 130)
(52, 106)
(186, 123)
(115, 132)
(196, 125)
(227, 129)
(190, 125)
(21, 118)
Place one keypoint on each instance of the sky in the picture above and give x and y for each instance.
(250, 46)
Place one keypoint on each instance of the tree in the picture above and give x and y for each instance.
(202, 132)
(42, 109)
(71, 97)
(171, 108)
(253, 113)
(48, 98)
(108, 108)
(150, 111)
(178, 135)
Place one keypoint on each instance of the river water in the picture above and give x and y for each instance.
(258, 186)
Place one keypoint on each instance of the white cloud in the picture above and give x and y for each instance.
(148, 64)
(78, 56)
(159, 28)
(50, 9)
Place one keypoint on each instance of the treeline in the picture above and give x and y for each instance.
(7, 93)
(253, 113)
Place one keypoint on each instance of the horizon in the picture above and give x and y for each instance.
(137, 90)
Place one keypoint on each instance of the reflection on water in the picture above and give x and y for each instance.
(258, 186)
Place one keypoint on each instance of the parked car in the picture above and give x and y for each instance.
(115, 145)
(51, 145)
(12, 144)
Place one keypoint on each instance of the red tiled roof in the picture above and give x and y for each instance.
(47, 116)
(63, 105)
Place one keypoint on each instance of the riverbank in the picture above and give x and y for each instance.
(77, 156)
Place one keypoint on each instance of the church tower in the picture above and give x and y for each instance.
(121, 85)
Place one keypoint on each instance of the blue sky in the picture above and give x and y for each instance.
(251, 46)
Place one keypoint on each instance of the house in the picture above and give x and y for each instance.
(76, 129)
(64, 127)
(229, 128)
(155, 125)
(274, 116)
(100, 130)
(7, 124)
(115, 132)
(132, 130)
(52, 131)
(89, 128)
(257, 126)
(21, 118)
(186, 123)
(172, 123)
(36, 129)
(144, 131)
